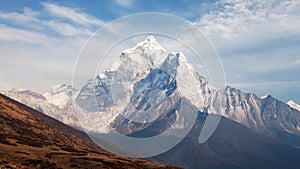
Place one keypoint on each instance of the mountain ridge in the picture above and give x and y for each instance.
(61, 109)
(147, 78)
(245, 108)
(30, 139)
(294, 105)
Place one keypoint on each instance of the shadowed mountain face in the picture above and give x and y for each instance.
(30, 139)
(231, 146)
(148, 71)
(266, 115)
(143, 94)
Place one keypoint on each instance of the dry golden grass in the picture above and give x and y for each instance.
(29, 139)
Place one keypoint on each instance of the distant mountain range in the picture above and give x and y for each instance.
(30, 139)
(57, 102)
(146, 82)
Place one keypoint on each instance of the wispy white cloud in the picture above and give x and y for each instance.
(77, 24)
(66, 29)
(44, 41)
(27, 16)
(11, 34)
(259, 40)
(43, 64)
(253, 38)
(71, 14)
(244, 22)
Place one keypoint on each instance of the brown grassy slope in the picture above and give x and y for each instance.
(29, 139)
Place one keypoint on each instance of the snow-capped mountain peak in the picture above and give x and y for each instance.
(59, 88)
(149, 43)
(23, 95)
(263, 97)
(147, 53)
(59, 95)
(293, 105)
(146, 72)
(147, 76)
(55, 102)
(17, 89)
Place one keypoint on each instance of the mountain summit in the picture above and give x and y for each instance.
(149, 44)
(113, 88)
(60, 95)
(136, 68)
(148, 91)
(139, 84)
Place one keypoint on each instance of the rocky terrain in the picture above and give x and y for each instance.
(30, 139)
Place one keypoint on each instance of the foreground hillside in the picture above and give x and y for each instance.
(29, 139)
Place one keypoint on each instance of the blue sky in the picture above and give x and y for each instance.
(258, 41)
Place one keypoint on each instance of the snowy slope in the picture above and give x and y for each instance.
(148, 71)
(59, 95)
(293, 105)
(142, 78)
(59, 105)
(265, 115)
(134, 73)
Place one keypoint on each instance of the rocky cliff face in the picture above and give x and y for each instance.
(146, 83)
(145, 76)
(263, 115)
